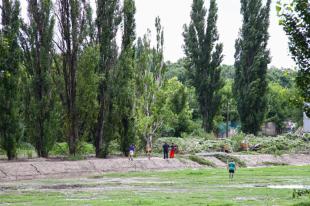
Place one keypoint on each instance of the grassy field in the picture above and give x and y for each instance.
(257, 186)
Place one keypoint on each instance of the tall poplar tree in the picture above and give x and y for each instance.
(251, 60)
(38, 47)
(108, 20)
(205, 56)
(150, 70)
(9, 69)
(73, 29)
(125, 74)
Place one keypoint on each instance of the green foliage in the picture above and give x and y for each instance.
(278, 105)
(205, 56)
(191, 145)
(300, 193)
(295, 19)
(60, 149)
(124, 82)
(176, 109)
(108, 20)
(83, 149)
(283, 77)
(283, 144)
(274, 164)
(251, 60)
(9, 77)
(87, 104)
(283, 104)
(228, 72)
(201, 161)
(151, 99)
(178, 70)
(280, 144)
(236, 141)
(228, 111)
(40, 115)
(227, 158)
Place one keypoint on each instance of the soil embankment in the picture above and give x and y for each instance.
(46, 168)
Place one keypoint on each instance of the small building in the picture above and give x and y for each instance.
(269, 129)
(306, 121)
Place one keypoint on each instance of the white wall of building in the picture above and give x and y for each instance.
(306, 123)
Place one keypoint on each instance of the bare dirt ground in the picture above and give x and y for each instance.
(44, 168)
(53, 168)
(267, 159)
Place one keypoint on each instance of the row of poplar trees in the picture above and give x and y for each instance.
(61, 70)
(204, 55)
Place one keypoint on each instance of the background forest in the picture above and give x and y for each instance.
(67, 87)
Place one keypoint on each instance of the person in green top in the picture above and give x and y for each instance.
(231, 167)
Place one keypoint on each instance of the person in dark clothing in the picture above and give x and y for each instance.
(166, 150)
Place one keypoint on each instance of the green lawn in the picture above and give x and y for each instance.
(257, 186)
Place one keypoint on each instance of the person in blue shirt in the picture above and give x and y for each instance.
(131, 151)
(231, 167)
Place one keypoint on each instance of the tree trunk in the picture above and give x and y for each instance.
(227, 120)
(73, 136)
(100, 124)
(207, 123)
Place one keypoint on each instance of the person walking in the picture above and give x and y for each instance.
(166, 150)
(131, 151)
(231, 167)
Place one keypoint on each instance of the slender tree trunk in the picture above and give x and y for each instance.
(100, 124)
(125, 123)
(227, 120)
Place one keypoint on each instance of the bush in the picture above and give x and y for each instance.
(274, 164)
(299, 193)
(75, 158)
(266, 145)
(236, 141)
(60, 149)
(25, 146)
(201, 161)
(199, 133)
(26, 149)
(227, 158)
(85, 148)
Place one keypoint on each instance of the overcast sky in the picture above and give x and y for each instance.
(175, 13)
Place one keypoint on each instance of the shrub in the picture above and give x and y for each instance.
(236, 141)
(201, 161)
(85, 148)
(25, 146)
(75, 158)
(227, 158)
(275, 164)
(29, 154)
(60, 149)
(299, 193)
